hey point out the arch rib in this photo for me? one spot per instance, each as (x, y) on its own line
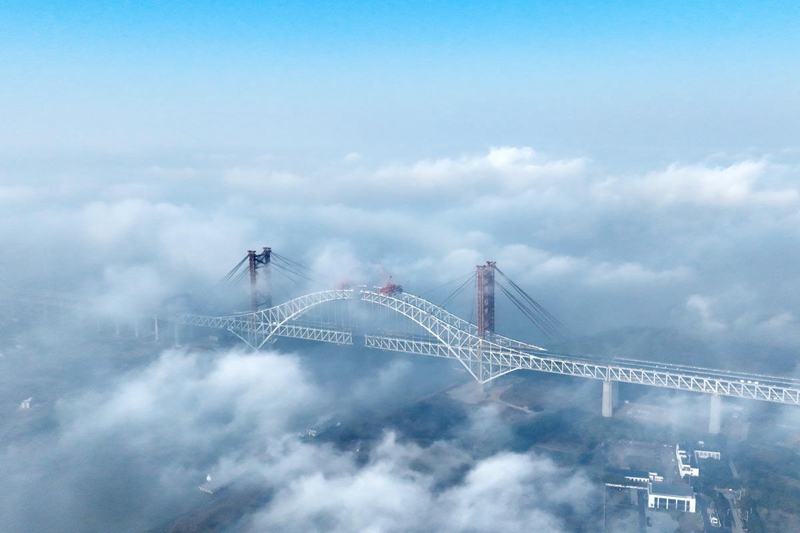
(266, 323)
(486, 360)
(477, 355)
(465, 326)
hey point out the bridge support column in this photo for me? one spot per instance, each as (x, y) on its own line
(715, 416)
(484, 298)
(609, 397)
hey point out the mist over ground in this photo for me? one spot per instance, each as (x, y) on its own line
(126, 449)
(689, 262)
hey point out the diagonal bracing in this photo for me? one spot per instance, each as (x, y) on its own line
(485, 358)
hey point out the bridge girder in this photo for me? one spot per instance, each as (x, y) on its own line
(487, 359)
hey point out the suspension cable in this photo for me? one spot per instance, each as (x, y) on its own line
(531, 300)
(458, 291)
(446, 284)
(545, 326)
(538, 315)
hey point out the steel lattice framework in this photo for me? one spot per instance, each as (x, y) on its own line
(262, 326)
(486, 359)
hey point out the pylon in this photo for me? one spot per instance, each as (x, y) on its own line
(484, 298)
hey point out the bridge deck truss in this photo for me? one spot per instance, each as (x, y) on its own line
(485, 359)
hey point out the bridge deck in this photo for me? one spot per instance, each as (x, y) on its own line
(451, 337)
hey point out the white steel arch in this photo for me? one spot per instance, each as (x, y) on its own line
(487, 359)
(260, 327)
(461, 344)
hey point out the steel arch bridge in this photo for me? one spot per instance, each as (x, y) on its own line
(488, 357)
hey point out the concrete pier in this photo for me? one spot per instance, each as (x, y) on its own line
(715, 415)
(609, 397)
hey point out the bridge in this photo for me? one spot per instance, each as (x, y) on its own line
(369, 317)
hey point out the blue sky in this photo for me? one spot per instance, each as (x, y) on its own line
(407, 79)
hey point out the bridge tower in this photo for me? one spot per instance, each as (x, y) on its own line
(484, 302)
(484, 298)
(257, 261)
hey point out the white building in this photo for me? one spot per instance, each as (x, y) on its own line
(675, 497)
(707, 454)
(685, 467)
(688, 462)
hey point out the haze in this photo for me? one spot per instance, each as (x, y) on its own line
(634, 166)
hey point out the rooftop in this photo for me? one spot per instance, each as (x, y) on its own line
(629, 472)
(665, 489)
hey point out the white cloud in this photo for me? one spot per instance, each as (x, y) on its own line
(533, 264)
(137, 444)
(631, 273)
(511, 492)
(445, 181)
(552, 224)
(394, 492)
(183, 400)
(646, 250)
(701, 307)
(108, 224)
(274, 184)
(129, 292)
(731, 186)
(503, 169)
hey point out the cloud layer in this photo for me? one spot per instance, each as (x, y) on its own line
(687, 262)
(130, 456)
(601, 251)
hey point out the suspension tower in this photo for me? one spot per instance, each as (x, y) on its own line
(484, 302)
(484, 298)
(257, 261)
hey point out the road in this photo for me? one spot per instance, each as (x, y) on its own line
(738, 527)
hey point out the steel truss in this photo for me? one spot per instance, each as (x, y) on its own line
(262, 326)
(487, 359)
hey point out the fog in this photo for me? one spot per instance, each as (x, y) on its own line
(686, 262)
(702, 247)
(127, 451)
